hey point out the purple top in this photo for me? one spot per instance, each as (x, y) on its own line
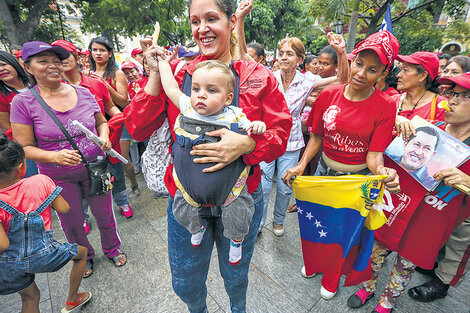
(25, 109)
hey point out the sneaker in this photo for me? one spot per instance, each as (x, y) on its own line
(325, 294)
(235, 252)
(359, 298)
(278, 229)
(304, 273)
(86, 227)
(136, 170)
(126, 211)
(197, 238)
(380, 309)
(134, 193)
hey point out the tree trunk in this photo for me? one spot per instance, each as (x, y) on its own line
(353, 27)
(374, 21)
(18, 32)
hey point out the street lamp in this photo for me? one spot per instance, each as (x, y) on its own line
(338, 27)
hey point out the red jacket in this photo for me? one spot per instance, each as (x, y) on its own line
(259, 98)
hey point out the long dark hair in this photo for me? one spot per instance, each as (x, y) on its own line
(8, 58)
(11, 155)
(110, 71)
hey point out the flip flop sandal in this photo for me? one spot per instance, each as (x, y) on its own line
(76, 304)
(292, 208)
(118, 258)
(89, 267)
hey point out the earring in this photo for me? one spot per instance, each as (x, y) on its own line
(378, 80)
(420, 84)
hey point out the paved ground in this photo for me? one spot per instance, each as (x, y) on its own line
(144, 283)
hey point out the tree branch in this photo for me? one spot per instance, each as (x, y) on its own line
(396, 19)
(359, 16)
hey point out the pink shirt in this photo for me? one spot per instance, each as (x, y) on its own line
(25, 196)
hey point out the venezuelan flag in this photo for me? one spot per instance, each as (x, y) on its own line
(337, 220)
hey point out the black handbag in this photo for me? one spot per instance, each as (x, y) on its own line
(99, 172)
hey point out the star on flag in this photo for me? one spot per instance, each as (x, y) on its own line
(309, 216)
(299, 209)
(318, 223)
(322, 233)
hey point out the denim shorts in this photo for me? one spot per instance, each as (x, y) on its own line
(17, 274)
(125, 134)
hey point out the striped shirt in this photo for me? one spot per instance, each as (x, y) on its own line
(297, 93)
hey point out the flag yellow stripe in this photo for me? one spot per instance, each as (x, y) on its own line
(335, 191)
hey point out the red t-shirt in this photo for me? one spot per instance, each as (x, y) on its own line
(352, 128)
(25, 196)
(98, 89)
(391, 91)
(5, 101)
(424, 111)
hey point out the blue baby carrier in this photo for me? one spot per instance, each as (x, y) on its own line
(207, 189)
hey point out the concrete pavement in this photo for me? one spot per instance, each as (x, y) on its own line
(144, 283)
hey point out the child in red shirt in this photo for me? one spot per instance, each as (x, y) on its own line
(27, 245)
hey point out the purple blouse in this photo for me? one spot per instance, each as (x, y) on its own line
(25, 109)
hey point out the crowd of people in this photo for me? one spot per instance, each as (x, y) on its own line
(213, 130)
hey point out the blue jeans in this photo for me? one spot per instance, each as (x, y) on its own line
(190, 265)
(282, 164)
(119, 185)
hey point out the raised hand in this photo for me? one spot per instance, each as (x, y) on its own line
(244, 8)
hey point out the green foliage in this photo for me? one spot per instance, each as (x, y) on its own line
(137, 17)
(417, 32)
(272, 20)
(317, 44)
(458, 30)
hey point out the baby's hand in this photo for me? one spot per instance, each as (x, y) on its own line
(257, 128)
(168, 56)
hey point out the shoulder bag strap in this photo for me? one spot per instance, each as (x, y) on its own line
(433, 108)
(56, 120)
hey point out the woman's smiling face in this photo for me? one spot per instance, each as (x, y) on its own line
(211, 28)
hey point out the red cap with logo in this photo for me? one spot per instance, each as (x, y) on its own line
(67, 45)
(383, 43)
(127, 64)
(462, 80)
(136, 51)
(426, 59)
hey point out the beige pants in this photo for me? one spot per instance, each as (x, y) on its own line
(457, 252)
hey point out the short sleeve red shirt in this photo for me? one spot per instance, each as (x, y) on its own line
(25, 196)
(352, 128)
(98, 89)
(5, 101)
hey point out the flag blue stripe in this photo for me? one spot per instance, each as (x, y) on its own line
(324, 224)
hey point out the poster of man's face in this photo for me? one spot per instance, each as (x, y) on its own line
(419, 149)
(426, 152)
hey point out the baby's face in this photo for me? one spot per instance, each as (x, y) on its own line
(209, 91)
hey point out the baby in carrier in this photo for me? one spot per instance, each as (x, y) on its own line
(27, 245)
(209, 109)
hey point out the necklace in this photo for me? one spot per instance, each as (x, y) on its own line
(414, 107)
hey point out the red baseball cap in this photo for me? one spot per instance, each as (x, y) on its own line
(67, 45)
(136, 51)
(428, 60)
(462, 80)
(383, 43)
(18, 54)
(127, 64)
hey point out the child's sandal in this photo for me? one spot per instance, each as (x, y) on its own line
(77, 304)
